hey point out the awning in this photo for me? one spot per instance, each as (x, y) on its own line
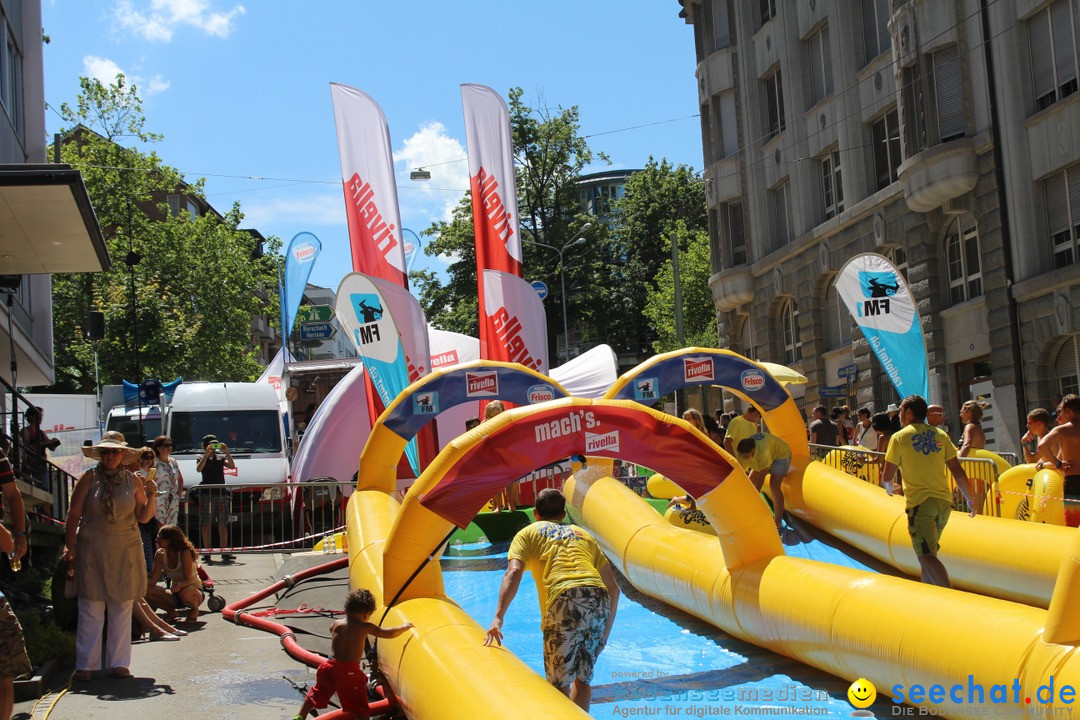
(47, 224)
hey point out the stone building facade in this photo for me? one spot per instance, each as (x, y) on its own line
(943, 134)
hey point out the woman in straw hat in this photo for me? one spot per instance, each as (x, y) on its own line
(102, 537)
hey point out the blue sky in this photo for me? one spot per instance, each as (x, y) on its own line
(241, 92)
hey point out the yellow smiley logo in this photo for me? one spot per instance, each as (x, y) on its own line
(862, 693)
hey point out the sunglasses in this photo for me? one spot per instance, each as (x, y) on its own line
(109, 451)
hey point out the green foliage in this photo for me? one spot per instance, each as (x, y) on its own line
(661, 200)
(196, 285)
(698, 311)
(45, 640)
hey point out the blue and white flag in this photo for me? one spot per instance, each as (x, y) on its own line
(879, 300)
(304, 248)
(367, 318)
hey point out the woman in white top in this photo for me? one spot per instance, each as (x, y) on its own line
(169, 481)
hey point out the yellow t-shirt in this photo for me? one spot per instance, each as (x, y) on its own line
(767, 449)
(739, 428)
(921, 451)
(559, 557)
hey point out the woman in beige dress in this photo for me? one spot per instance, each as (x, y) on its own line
(102, 538)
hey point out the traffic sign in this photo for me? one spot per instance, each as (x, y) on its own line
(833, 391)
(848, 371)
(540, 288)
(315, 313)
(316, 331)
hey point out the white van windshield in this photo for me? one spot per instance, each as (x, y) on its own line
(244, 431)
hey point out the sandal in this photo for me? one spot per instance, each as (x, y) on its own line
(82, 676)
(121, 672)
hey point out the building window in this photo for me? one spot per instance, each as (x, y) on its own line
(886, 137)
(962, 251)
(898, 257)
(716, 25)
(914, 119)
(819, 65)
(736, 238)
(767, 10)
(781, 210)
(1066, 367)
(724, 124)
(837, 320)
(774, 97)
(792, 345)
(948, 93)
(1053, 35)
(11, 77)
(875, 28)
(1062, 194)
(832, 189)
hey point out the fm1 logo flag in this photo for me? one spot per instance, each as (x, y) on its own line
(880, 302)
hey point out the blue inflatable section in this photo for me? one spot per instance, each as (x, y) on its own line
(731, 371)
(459, 385)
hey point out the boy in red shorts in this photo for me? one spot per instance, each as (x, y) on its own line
(342, 672)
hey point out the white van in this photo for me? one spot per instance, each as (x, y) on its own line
(244, 416)
(126, 420)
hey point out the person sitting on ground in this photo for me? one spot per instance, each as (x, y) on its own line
(153, 624)
(741, 427)
(507, 498)
(578, 595)
(761, 453)
(341, 672)
(1066, 438)
(215, 504)
(1038, 424)
(175, 559)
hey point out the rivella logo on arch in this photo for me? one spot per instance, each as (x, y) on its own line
(698, 369)
(481, 384)
(597, 442)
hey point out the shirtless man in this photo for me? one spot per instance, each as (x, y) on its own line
(1066, 438)
(1038, 424)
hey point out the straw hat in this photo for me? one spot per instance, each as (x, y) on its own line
(112, 439)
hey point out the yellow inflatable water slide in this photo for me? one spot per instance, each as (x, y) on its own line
(850, 623)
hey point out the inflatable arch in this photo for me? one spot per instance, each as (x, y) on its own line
(474, 466)
(421, 402)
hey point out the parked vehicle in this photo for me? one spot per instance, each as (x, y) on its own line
(247, 418)
(126, 420)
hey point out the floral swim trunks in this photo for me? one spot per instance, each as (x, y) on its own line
(573, 633)
(13, 659)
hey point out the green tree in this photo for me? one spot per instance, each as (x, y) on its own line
(659, 201)
(550, 155)
(698, 311)
(197, 284)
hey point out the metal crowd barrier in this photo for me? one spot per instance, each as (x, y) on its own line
(286, 517)
(867, 464)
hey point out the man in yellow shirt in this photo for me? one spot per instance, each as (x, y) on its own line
(923, 452)
(578, 595)
(765, 453)
(741, 427)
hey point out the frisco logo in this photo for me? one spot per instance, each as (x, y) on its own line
(481, 384)
(698, 369)
(752, 380)
(541, 393)
(304, 253)
(608, 442)
(446, 358)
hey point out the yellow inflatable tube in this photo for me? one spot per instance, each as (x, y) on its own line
(844, 621)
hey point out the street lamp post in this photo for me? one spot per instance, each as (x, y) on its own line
(562, 277)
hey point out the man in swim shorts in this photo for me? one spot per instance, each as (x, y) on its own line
(578, 595)
(1066, 438)
(765, 453)
(923, 452)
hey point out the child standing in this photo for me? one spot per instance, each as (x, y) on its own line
(342, 672)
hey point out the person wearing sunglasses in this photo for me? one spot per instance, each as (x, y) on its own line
(101, 539)
(169, 480)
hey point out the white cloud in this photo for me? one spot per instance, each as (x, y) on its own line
(105, 70)
(443, 156)
(157, 22)
(323, 209)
